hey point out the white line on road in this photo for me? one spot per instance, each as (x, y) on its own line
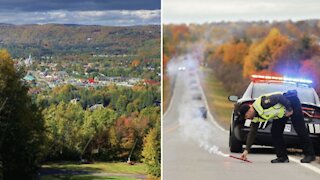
(308, 166)
(208, 110)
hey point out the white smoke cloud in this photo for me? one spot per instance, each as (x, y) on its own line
(193, 126)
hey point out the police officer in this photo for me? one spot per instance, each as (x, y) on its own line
(278, 106)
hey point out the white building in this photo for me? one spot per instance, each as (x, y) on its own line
(28, 62)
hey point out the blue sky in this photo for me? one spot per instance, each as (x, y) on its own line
(201, 11)
(87, 12)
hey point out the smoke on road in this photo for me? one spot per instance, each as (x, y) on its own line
(194, 125)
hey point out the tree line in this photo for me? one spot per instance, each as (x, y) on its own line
(235, 50)
(61, 40)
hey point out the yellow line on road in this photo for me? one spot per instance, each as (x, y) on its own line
(169, 130)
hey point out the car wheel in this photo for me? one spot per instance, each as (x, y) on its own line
(234, 144)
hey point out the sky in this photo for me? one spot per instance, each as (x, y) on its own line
(201, 11)
(85, 12)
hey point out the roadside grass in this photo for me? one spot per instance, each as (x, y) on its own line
(84, 177)
(75, 171)
(104, 167)
(217, 97)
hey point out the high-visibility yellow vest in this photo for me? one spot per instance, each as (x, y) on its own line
(275, 112)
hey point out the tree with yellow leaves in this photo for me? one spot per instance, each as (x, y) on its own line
(232, 53)
(263, 55)
(151, 152)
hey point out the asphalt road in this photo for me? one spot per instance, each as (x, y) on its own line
(195, 148)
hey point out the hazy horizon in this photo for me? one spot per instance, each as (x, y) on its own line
(202, 11)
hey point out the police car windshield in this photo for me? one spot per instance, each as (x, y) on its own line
(305, 94)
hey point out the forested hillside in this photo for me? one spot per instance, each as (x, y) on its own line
(51, 40)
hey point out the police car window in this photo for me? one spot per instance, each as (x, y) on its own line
(305, 94)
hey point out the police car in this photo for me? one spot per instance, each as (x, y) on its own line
(267, 84)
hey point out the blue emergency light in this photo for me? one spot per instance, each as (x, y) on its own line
(306, 81)
(281, 79)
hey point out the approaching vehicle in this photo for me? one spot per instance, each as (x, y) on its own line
(267, 84)
(198, 109)
(199, 112)
(203, 111)
(196, 97)
(182, 68)
(193, 82)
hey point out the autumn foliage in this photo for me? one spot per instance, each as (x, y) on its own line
(283, 50)
(173, 41)
(263, 55)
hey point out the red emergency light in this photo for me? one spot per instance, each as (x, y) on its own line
(256, 77)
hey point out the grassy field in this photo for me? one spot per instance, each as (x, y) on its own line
(83, 171)
(100, 167)
(217, 98)
(85, 177)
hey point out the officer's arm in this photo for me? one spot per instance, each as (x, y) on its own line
(285, 102)
(251, 135)
(279, 98)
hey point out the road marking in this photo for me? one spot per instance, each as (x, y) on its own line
(306, 165)
(207, 106)
(172, 128)
(171, 101)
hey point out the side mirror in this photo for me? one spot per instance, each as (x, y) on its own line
(233, 98)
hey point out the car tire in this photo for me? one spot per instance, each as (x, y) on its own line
(234, 144)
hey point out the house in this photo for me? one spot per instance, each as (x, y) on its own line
(151, 82)
(75, 100)
(29, 78)
(94, 107)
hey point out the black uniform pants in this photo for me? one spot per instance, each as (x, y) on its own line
(299, 126)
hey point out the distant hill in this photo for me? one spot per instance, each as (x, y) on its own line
(55, 39)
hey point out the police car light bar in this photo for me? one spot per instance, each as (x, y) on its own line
(281, 78)
(306, 81)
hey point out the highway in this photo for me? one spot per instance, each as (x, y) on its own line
(195, 148)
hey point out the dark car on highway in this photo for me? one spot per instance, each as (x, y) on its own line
(203, 111)
(267, 84)
(196, 97)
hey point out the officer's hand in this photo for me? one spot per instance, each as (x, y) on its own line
(244, 155)
(289, 113)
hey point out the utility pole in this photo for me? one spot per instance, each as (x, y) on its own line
(85, 147)
(129, 161)
(4, 103)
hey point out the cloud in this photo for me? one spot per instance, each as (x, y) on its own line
(232, 10)
(106, 17)
(77, 5)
